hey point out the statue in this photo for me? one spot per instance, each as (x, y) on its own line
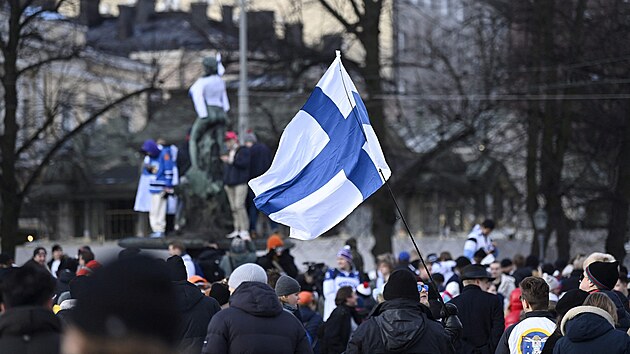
(205, 205)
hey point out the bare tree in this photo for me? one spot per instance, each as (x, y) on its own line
(32, 46)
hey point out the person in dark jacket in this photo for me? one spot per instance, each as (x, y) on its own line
(255, 321)
(260, 161)
(570, 299)
(590, 329)
(27, 324)
(311, 319)
(195, 308)
(530, 333)
(60, 261)
(235, 178)
(64, 276)
(602, 277)
(480, 312)
(342, 322)
(401, 323)
(278, 257)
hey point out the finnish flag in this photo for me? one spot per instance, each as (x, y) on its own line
(327, 162)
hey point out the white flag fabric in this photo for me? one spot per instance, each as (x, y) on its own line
(327, 162)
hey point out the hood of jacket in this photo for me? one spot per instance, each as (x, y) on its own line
(187, 295)
(401, 323)
(584, 323)
(22, 320)
(257, 299)
(151, 148)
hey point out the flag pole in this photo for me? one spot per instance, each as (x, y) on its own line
(391, 193)
(415, 245)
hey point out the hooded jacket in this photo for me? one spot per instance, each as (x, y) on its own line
(29, 329)
(255, 323)
(197, 311)
(589, 329)
(399, 326)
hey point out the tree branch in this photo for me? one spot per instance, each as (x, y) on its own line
(356, 9)
(44, 162)
(350, 27)
(74, 54)
(35, 136)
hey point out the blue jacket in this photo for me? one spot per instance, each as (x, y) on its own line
(238, 171)
(589, 329)
(161, 169)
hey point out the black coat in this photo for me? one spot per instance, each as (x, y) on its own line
(399, 326)
(337, 329)
(29, 329)
(261, 157)
(197, 311)
(481, 314)
(255, 323)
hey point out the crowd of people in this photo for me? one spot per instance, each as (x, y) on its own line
(213, 301)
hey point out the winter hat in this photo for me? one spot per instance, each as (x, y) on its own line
(306, 297)
(220, 292)
(404, 256)
(230, 135)
(150, 147)
(274, 241)
(287, 286)
(401, 285)
(461, 262)
(237, 245)
(197, 279)
(364, 289)
(247, 272)
(506, 262)
(569, 300)
(345, 253)
(249, 137)
(130, 297)
(432, 258)
(176, 268)
(603, 274)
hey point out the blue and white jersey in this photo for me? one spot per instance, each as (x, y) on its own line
(476, 241)
(161, 169)
(334, 280)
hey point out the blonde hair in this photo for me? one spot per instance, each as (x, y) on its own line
(602, 301)
(597, 257)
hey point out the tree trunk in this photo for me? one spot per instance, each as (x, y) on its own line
(618, 225)
(11, 193)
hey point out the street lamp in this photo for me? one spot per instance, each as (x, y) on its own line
(540, 224)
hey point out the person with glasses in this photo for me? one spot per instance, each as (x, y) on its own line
(480, 312)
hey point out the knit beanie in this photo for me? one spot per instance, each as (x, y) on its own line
(346, 253)
(306, 297)
(603, 274)
(401, 284)
(274, 241)
(570, 299)
(247, 272)
(220, 292)
(249, 137)
(176, 268)
(287, 286)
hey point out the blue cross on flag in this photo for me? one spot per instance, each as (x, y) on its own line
(327, 162)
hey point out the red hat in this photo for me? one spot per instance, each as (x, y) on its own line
(230, 135)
